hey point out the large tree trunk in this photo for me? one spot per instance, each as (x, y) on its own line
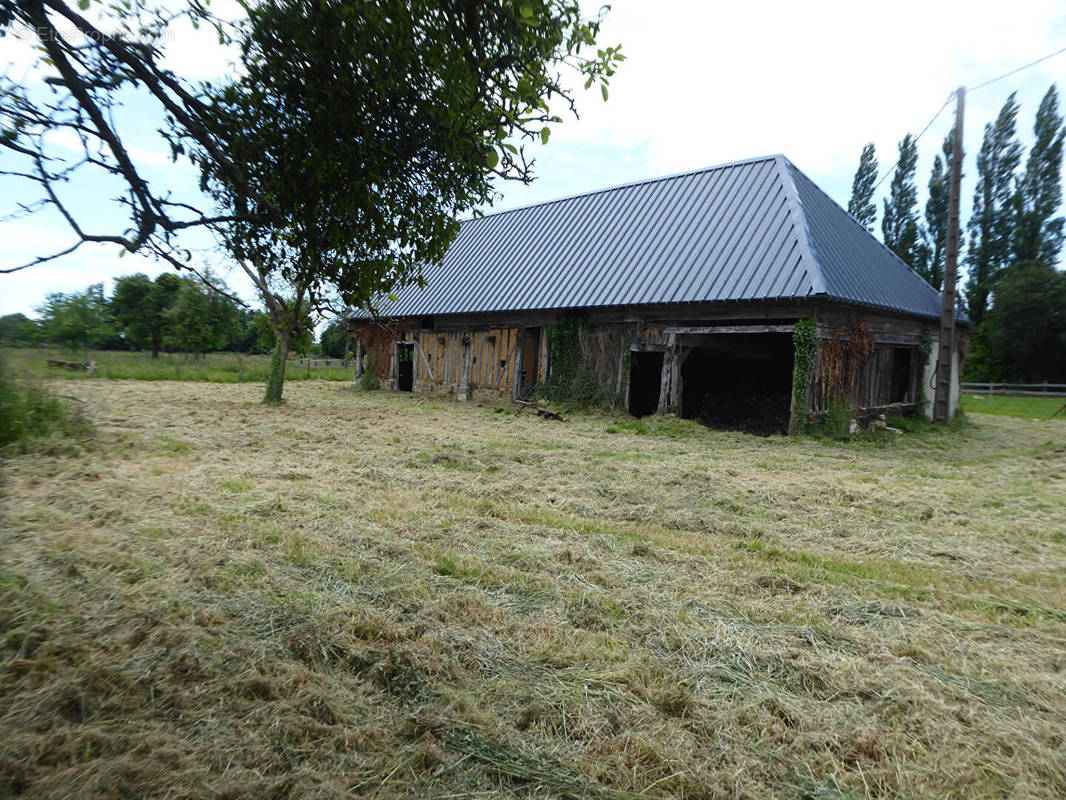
(276, 378)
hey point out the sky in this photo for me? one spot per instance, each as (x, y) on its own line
(703, 84)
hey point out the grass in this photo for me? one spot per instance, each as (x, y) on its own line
(366, 594)
(32, 418)
(129, 365)
(1027, 407)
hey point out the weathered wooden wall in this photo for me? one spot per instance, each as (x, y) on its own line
(872, 380)
(485, 359)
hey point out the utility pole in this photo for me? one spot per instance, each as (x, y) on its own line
(946, 348)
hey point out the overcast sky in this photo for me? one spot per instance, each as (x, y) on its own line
(704, 83)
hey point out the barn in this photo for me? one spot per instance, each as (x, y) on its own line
(674, 295)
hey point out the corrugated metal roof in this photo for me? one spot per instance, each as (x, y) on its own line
(750, 230)
(855, 265)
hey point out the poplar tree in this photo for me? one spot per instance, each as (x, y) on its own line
(992, 221)
(1038, 234)
(861, 206)
(899, 225)
(935, 233)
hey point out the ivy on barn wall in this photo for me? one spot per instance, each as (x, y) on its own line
(842, 357)
(805, 344)
(378, 340)
(589, 365)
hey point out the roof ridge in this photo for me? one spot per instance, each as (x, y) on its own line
(863, 227)
(798, 216)
(628, 184)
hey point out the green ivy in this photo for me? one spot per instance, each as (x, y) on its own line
(805, 343)
(574, 380)
(566, 383)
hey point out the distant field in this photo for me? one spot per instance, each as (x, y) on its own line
(1027, 407)
(117, 364)
(361, 594)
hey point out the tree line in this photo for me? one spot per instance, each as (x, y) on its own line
(168, 314)
(1012, 289)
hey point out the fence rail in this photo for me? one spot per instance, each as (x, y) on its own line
(1016, 389)
(323, 362)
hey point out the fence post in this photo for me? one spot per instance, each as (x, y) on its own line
(991, 390)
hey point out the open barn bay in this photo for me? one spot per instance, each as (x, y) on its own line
(363, 594)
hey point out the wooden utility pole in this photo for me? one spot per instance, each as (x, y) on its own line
(946, 348)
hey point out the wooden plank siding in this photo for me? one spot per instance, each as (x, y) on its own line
(872, 384)
(439, 365)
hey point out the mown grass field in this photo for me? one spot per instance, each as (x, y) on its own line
(1025, 407)
(364, 594)
(130, 365)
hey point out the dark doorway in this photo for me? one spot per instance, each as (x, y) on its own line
(738, 381)
(901, 387)
(530, 361)
(405, 367)
(645, 380)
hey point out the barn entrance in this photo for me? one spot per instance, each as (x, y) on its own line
(738, 381)
(645, 377)
(405, 367)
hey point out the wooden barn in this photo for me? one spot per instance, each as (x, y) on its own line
(675, 295)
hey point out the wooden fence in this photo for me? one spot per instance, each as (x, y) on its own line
(1016, 389)
(323, 362)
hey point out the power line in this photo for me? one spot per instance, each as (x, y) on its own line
(916, 138)
(1016, 71)
(951, 97)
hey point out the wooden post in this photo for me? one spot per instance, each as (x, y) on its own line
(516, 365)
(394, 367)
(358, 359)
(666, 382)
(946, 345)
(464, 375)
(240, 368)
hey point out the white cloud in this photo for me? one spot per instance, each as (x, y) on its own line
(705, 83)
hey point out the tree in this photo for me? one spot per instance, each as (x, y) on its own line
(84, 73)
(861, 206)
(358, 149)
(899, 225)
(1038, 234)
(247, 338)
(1025, 332)
(991, 224)
(200, 320)
(141, 305)
(18, 330)
(266, 340)
(335, 339)
(340, 156)
(935, 233)
(79, 319)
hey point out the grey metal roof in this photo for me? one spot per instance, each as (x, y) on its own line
(751, 230)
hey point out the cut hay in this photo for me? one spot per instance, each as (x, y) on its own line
(365, 594)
